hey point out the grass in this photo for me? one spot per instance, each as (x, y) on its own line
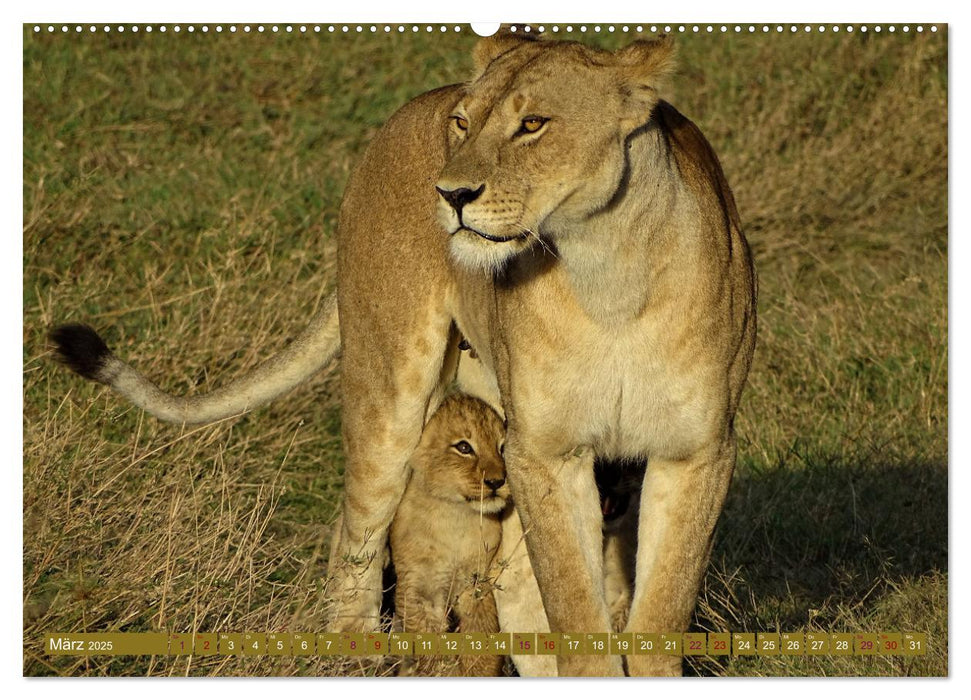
(181, 192)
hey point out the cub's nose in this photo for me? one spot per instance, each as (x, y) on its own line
(494, 484)
(458, 198)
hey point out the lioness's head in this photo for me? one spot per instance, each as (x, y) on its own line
(538, 141)
(459, 457)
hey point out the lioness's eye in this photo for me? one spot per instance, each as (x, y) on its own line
(463, 448)
(531, 125)
(461, 123)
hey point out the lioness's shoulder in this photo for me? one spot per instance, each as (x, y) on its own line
(695, 157)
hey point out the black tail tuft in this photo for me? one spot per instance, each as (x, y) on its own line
(82, 349)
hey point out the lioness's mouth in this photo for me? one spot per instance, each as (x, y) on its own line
(488, 237)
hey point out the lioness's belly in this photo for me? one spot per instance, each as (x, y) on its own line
(617, 394)
(640, 390)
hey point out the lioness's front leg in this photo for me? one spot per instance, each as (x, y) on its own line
(557, 499)
(680, 504)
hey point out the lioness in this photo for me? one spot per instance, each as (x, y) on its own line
(447, 527)
(518, 598)
(579, 232)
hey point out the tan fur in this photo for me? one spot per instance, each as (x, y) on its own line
(618, 318)
(518, 598)
(307, 354)
(599, 271)
(446, 531)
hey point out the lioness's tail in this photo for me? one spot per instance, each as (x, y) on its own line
(80, 348)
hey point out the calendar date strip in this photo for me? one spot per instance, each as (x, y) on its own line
(500, 643)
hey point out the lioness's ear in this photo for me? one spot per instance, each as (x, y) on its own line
(644, 65)
(489, 48)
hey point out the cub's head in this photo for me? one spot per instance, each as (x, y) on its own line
(459, 457)
(537, 143)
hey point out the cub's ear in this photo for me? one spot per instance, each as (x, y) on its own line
(489, 48)
(643, 66)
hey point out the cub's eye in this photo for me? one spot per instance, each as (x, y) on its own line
(463, 448)
(502, 450)
(461, 123)
(531, 125)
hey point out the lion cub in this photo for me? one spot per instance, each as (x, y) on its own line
(447, 528)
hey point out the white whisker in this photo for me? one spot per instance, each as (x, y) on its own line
(523, 229)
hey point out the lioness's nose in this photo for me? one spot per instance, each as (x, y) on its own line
(494, 484)
(458, 198)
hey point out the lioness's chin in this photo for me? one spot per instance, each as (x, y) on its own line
(475, 251)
